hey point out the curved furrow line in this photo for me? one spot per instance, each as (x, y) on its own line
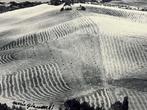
(48, 35)
(76, 13)
(106, 97)
(58, 31)
(106, 11)
(104, 54)
(10, 90)
(7, 87)
(132, 53)
(116, 63)
(6, 58)
(35, 84)
(68, 28)
(3, 84)
(143, 55)
(27, 93)
(110, 53)
(53, 80)
(140, 97)
(114, 94)
(134, 103)
(40, 37)
(90, 100)
(121, 57)
(138, 55)
(102, 97)
(106, 92)
(23, 41)
(109, 59)
(136, 99)
(22, 96)
(125, 55)
(81, 23)
(11, 85)
(20, 86)
(94, 100)
(14, 88)
(65, 29)
(45, 36)
(128, 56)
(120, 68)
(56, 78)
(86, 99)
(38, 81)
(43, 81)
(24, 91)
(88, 25)
(88, 22)
(135, 16)
(94, 27)
(21, 83)
(63, 33)
(28, 79)
(139, 100)
(112, 97)
(26, 85)
(61, 81)
(48, 81)
(143, 99)
(53, 33)
(97, 98)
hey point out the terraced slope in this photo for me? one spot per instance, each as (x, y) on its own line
(48, 56)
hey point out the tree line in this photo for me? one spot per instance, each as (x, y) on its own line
(4, 7)
(58, 2)
(76, 105)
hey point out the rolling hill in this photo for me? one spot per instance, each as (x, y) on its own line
(49, 56)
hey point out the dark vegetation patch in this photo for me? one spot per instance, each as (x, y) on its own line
(76, 105)
(4, 7)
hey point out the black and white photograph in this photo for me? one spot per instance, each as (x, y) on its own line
(73, 54)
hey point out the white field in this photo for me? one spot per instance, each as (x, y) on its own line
(48, 56)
